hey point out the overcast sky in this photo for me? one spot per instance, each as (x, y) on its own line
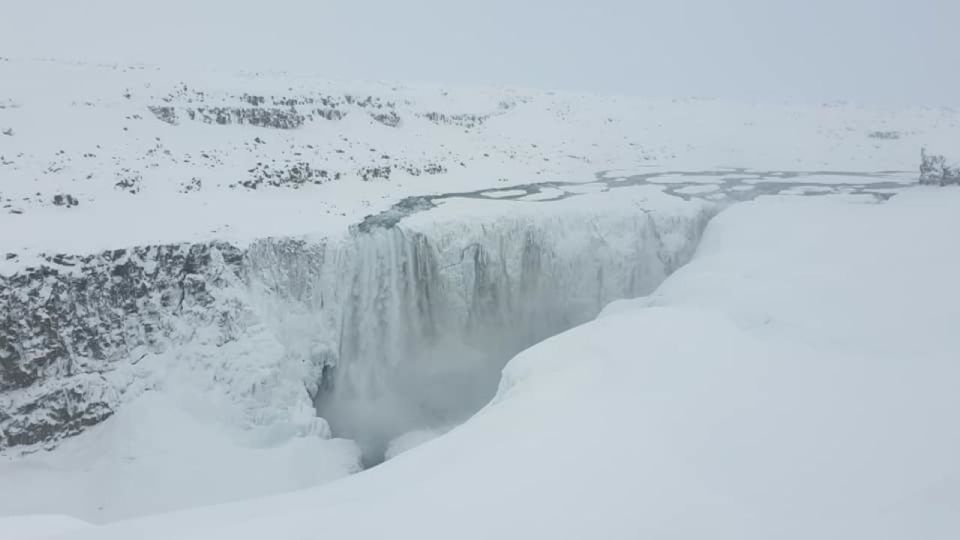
(898, 51)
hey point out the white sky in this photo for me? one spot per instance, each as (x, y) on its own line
(897, 51)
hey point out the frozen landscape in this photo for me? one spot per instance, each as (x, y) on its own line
(262, 303)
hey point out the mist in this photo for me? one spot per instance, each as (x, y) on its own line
(873, 51)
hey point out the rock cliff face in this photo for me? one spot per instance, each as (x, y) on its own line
(76, 319)
(386, 329)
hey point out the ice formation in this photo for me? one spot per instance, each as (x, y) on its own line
(382, 331)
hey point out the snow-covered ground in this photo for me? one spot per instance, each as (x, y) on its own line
(795, 380)
(189, 259)
(38, 526)
(155, 455)
(122, 155)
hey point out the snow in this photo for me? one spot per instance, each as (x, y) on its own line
(802, 190)
(792, 381)
(544, 195)
(502, 193)
(795, 380)
(155, 456)
(586, 188)
(85, 129)
(693, 190)
(687, 178)
(901, 177)
(36, 527)
(409, 441)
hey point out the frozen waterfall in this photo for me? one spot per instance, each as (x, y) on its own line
(402, 324)
(408, 326)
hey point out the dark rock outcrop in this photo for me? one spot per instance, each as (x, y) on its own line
(462, 120)
(68, 323)
(935, 170)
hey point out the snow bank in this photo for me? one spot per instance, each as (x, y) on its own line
(155, 455)
(795, 380)
(409, 441)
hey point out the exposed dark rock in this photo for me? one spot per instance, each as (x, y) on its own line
(462, 120)
(129, 181)
(375, 173)
(194, 184)
(934, 170)
(327, 114)
(61, 413)
(256, 101)
(65, 200)
(254, 116)
(74, 318)
(390, 118)
(289, 175)
(434, 168)
(394, 214)
(165, 113)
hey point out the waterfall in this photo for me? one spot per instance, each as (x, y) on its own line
(401, 325)
(408, 326)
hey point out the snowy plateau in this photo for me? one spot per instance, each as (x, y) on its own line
(271, 305)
